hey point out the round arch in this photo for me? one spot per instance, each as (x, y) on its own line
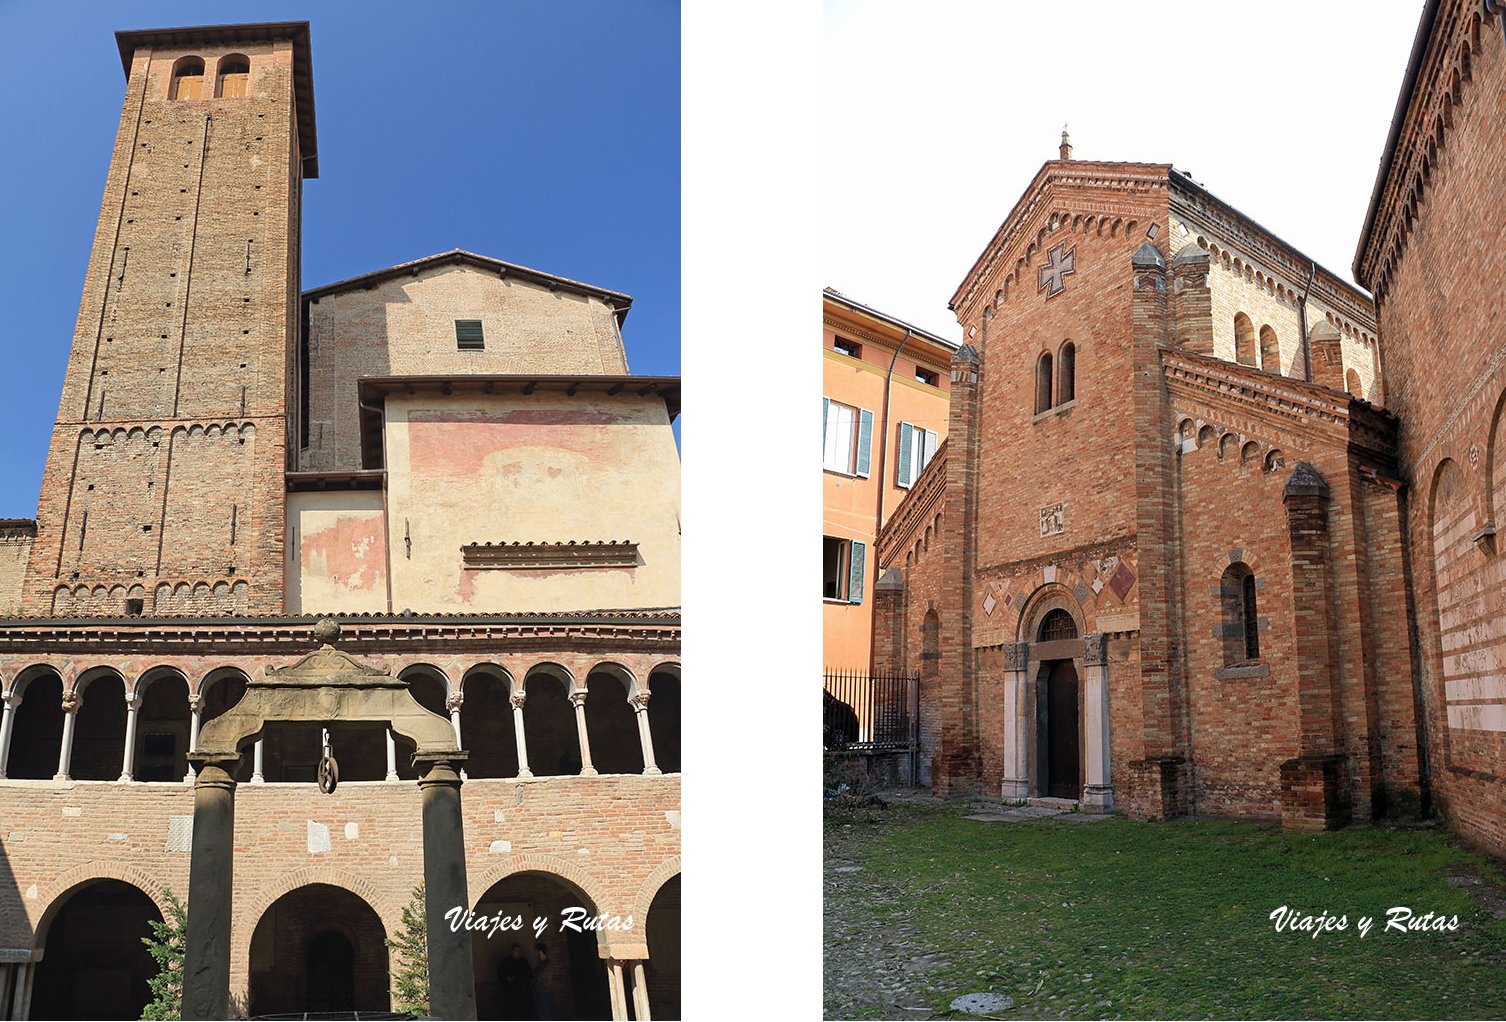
(93, 963)
(552, 739)
(611, 720)
(487, 721)
(319, 947)
(1047, 597)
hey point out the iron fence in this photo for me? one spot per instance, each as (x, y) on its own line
(870, 711)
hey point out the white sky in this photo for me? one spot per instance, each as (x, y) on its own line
(937, 116)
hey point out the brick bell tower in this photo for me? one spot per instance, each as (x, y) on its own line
(164, 488)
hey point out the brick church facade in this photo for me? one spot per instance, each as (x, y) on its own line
(1139, 574)
(448, 457)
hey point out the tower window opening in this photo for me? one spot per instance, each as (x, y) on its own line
(188, 78)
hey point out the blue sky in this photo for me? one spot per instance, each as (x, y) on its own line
(542, 133)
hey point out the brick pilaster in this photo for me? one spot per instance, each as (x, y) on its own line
(1162, 769)
(888, 656)
(1314, 785)
(1192, 301)
(1325, 348)
(956, 767)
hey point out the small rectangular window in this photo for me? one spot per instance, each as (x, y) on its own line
(134, 607)
(842, 568)
(847, 441)
(847, 347)
(468, 335)
(916, 446)
(925, 376)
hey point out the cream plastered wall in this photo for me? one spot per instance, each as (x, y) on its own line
(542, 468)
(1234, 292)
(15, 549)
(406, 326)
(337, 552)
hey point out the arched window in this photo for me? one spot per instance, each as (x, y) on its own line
(1270, 350)
(234, 71)
(1057, 624)
(1352, 383)
(1043, 383)
(1066, 374)
(1244, 340)
(1241, 618)
(188, 78)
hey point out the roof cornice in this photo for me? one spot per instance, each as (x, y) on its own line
(460, 257)
(1054, 176)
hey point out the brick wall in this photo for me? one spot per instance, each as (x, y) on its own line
(1434, 259)
(182, 339)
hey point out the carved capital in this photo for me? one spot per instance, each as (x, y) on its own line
(133, 703)
(1016, 656)
(517, 698)
(578, 698)
(453, 700)
(639, 700)
(196, 703)
(1095, 650)
(72, 701)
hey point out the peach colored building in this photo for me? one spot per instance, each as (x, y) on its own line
(884, 392)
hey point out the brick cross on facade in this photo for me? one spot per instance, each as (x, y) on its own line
(1053, 275)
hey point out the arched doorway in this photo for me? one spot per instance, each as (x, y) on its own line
(318, 948)
(664, 717)
(1058, 705)
(662, 970)
(549, 723)
(99, 727)
(571, 982)
(37, 735)
(94, 964)
(611, 723)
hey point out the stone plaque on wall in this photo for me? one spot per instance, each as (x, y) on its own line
(1053, 520)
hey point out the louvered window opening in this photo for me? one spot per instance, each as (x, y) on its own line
(468, 335)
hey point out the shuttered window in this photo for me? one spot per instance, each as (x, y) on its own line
(847, 438)
(916, 446)
(468, 335)
(844, 565)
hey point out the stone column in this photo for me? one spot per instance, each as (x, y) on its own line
(517, 698)
(196, 711)
(640, 993)
(578, 700)
(1098, 787)
(71, 702)
(452, 703)
(211, 875)
(12, 702)
(128, 759)
(614, 986)
(452, 981)
(888, 624)
(256, 762)
(1016, 786)
(639, 700)
(391, 755)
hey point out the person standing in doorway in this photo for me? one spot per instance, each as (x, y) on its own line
(543, 983)
(516, 978)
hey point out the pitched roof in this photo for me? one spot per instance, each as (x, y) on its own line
(221, 35)
(460, 257)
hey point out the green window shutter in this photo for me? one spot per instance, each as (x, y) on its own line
(865, 441)
(825, 414)
(855, 572)
(906, 440)
(468, 335)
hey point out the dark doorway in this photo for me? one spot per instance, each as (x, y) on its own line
(319, 948)
(332, 973)
(94, 964)
(663, 965)
(569, 980)
(1058, 719)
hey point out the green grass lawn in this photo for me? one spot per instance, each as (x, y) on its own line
(1118, 919)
